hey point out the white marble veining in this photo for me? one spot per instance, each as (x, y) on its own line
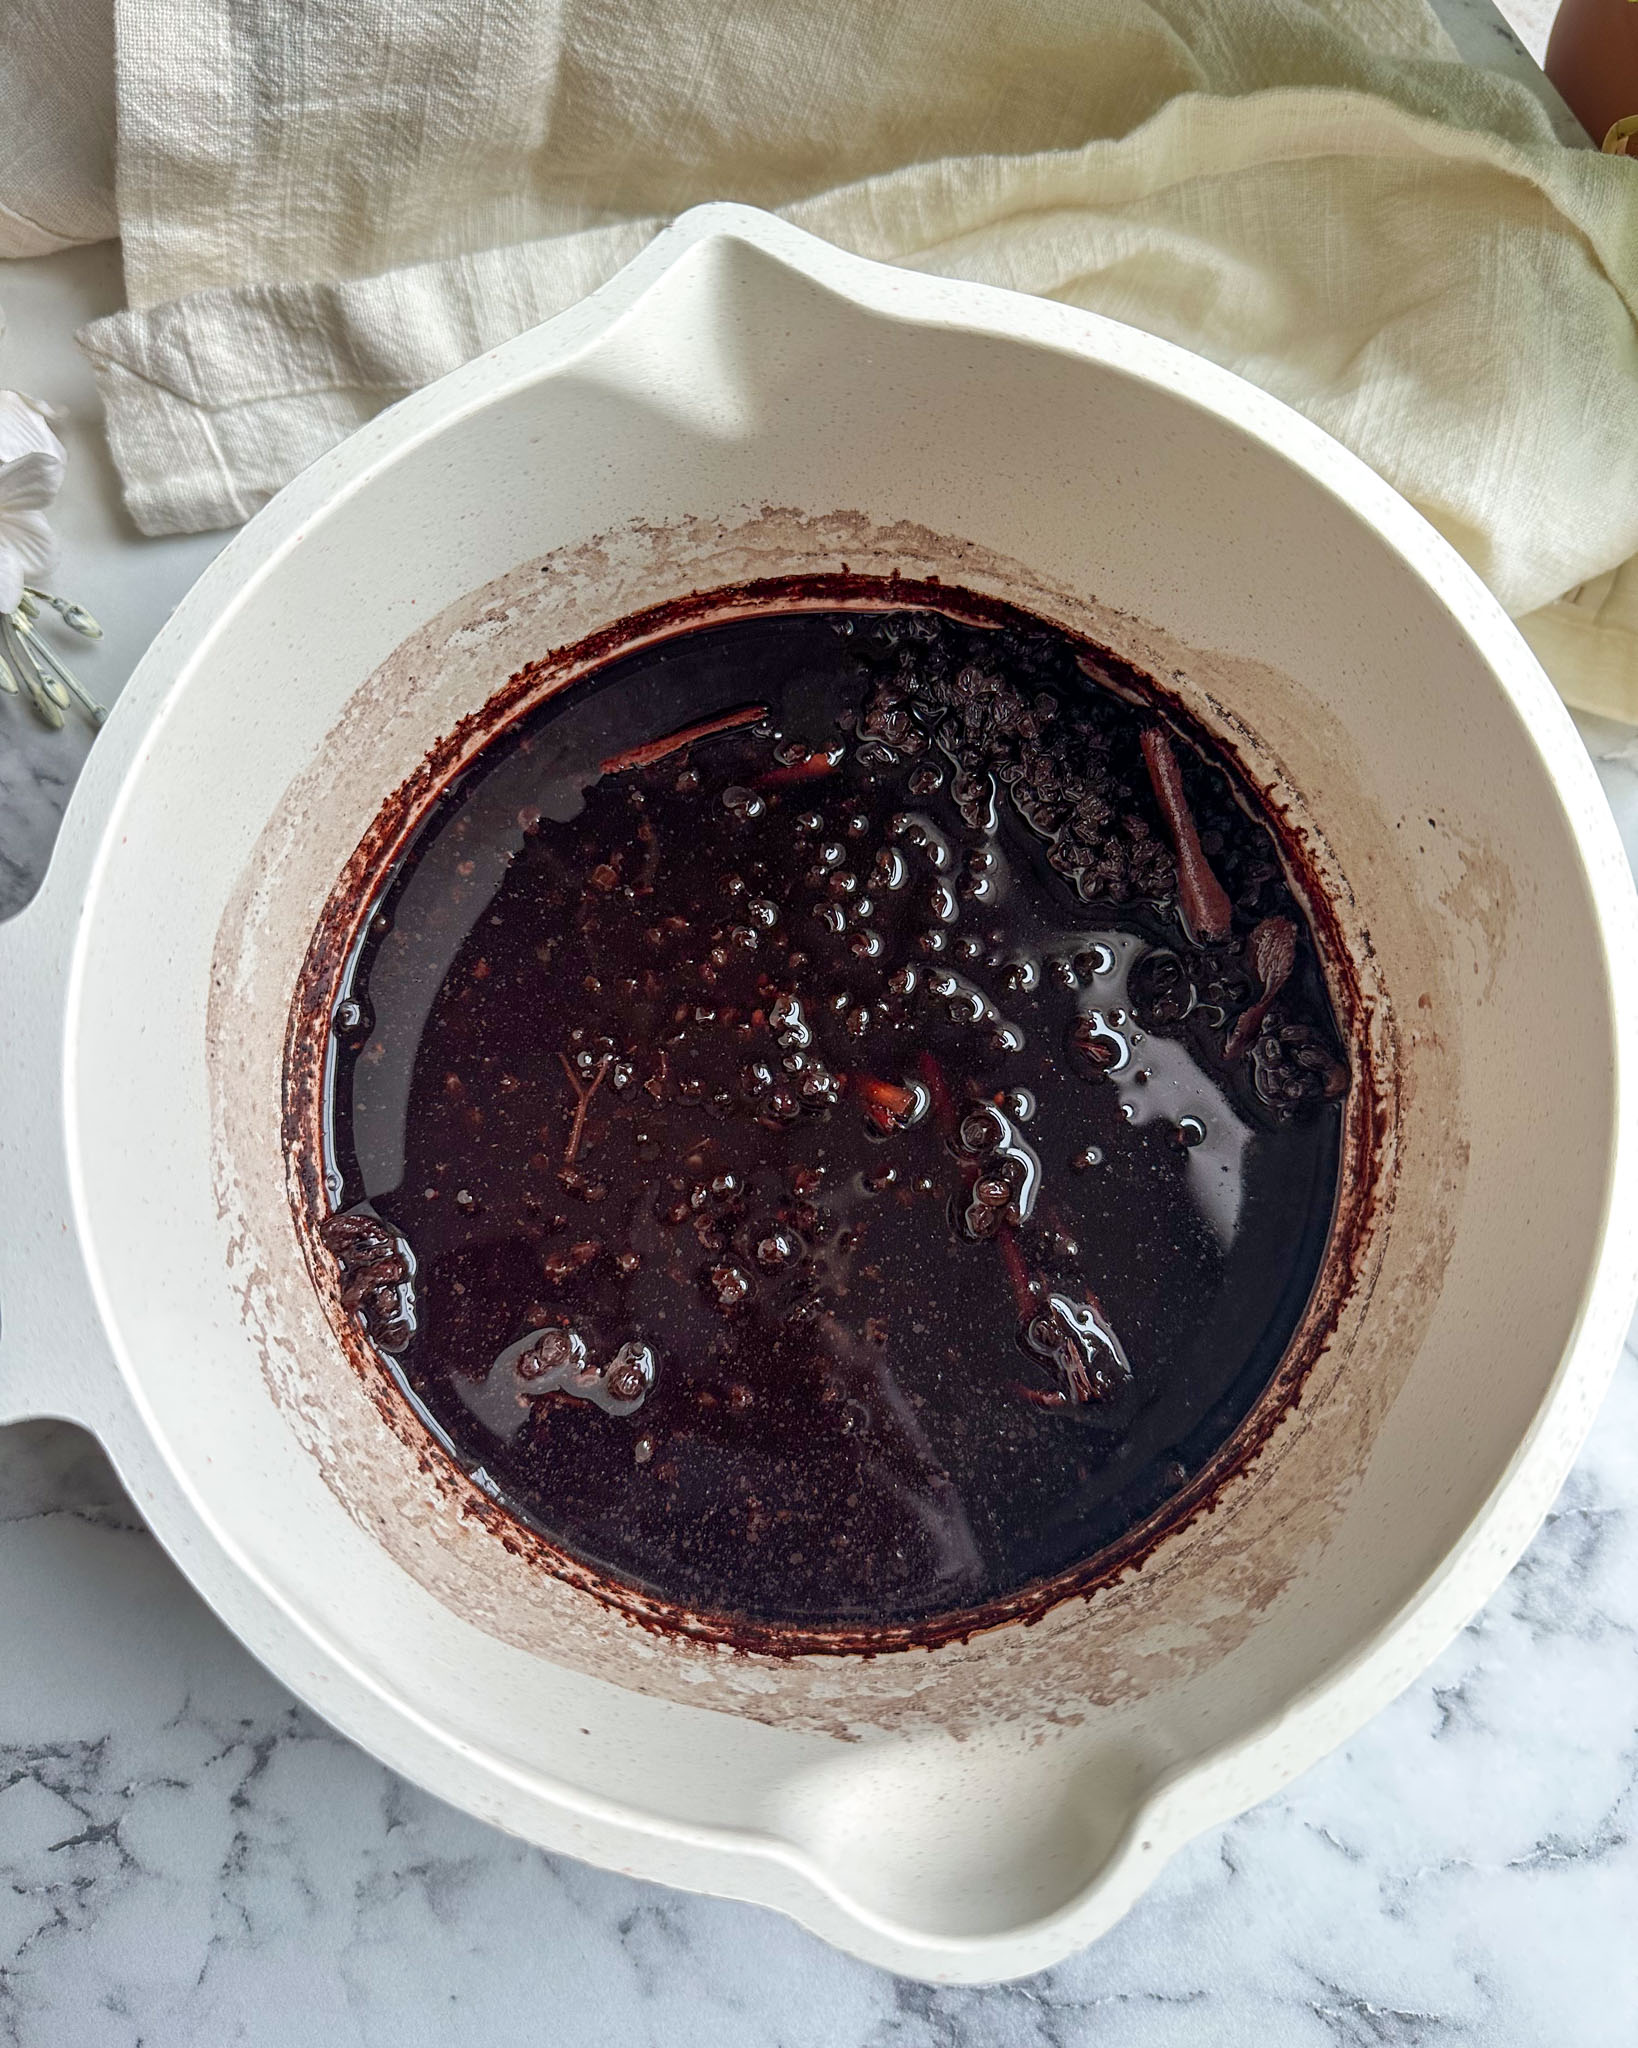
(1512, 37)
(189, 1859)
(1530, 21)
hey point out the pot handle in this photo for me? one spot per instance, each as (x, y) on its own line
(54, 1357)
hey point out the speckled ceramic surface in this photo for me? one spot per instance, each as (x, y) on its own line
(684, 400)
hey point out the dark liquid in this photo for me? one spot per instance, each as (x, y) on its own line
(838, 1187)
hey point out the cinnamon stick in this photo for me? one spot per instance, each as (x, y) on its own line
(673, 743)
(1205, 902)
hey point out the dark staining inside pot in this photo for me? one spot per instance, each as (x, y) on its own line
(835, 1118)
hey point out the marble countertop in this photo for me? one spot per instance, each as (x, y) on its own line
(188, 1856)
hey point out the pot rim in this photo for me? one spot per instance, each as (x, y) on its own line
(42, 958)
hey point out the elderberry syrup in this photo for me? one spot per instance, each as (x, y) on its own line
(836, 1116)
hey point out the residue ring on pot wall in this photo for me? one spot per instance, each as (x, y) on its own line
(1200, 1592)
(1366, 1121)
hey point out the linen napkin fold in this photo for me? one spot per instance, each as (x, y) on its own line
(324, 207)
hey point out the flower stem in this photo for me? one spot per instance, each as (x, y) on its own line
(27, 672)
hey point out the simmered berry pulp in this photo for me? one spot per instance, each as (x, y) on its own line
(822, 1172)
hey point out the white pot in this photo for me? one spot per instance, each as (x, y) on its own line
(744, 400)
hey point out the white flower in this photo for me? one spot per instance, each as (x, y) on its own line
(31, 474)
(32, 461)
